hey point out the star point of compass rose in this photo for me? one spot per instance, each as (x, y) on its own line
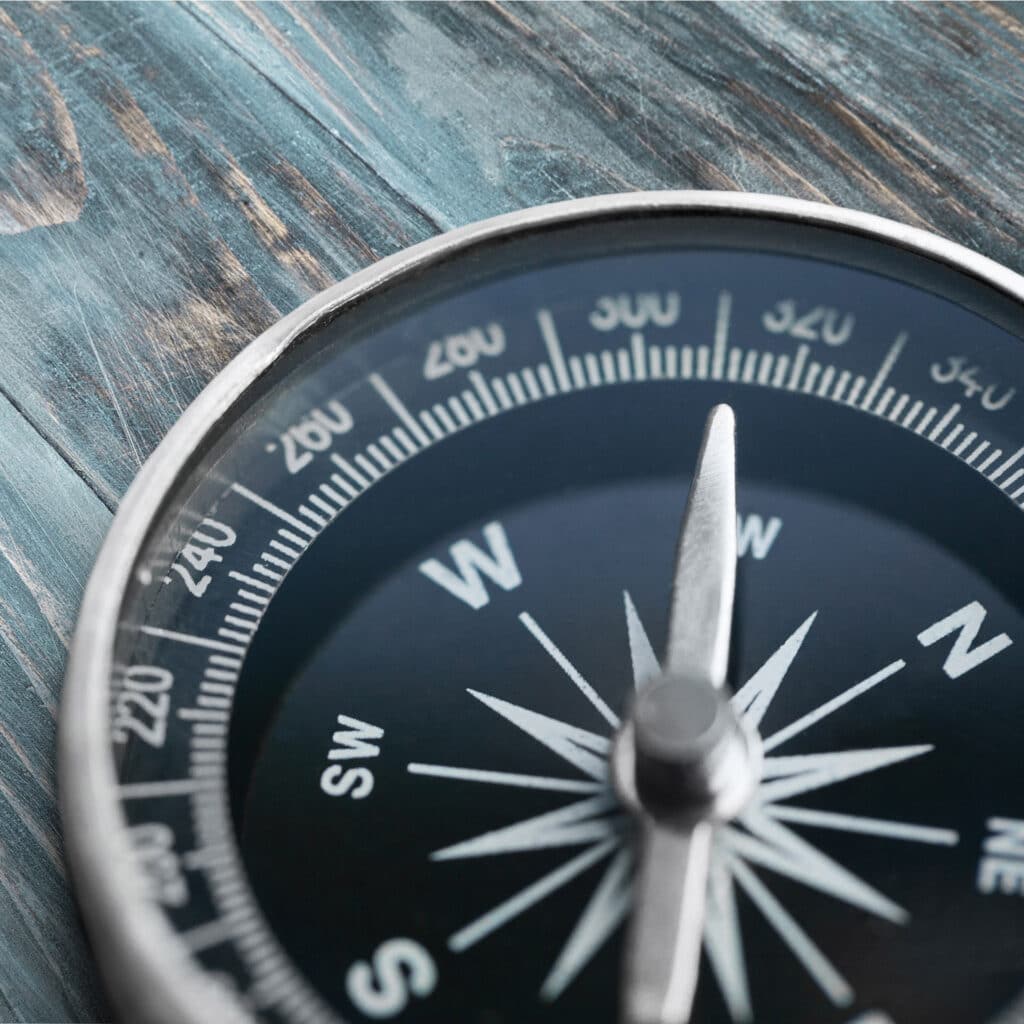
(594, 830)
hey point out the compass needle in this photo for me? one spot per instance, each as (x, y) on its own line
(684, 760)
(611, 612)
(704, 583)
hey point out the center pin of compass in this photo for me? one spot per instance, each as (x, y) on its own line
(692, 757)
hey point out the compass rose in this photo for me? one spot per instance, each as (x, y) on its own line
(594, 827)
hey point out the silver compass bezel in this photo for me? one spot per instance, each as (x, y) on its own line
(147, 969)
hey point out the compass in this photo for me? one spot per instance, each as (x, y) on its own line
(613, 611)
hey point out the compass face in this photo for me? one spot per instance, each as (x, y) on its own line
(336, 746)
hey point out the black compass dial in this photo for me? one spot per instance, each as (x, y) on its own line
(374, 664)
(493, 806)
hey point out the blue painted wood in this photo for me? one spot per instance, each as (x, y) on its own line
(50, 526)
(172, 178)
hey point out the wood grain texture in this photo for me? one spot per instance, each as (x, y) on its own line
(173, 178)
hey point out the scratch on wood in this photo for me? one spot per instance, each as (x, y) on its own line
(134, 123)
(281, 43)
(316, 36)
(141, 134)
(45, 782)
(1005, 21)
(109, 384)
(271, 231)
(230, 311)
(40, 684)
(42, 181)
(535, 39)
(45, 839)
(20, 895)
(822, 138)
(313, 201)
(859, 125)
(47, 603)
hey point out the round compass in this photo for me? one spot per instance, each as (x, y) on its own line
(609, 612)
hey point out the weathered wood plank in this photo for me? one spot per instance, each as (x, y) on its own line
(174, 177)
(44, 180)
(184, 171)
(50, 526)
(908, 111)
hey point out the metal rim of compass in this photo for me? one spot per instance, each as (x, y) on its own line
(148, 972)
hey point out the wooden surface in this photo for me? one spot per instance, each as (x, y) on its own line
(173, 178)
